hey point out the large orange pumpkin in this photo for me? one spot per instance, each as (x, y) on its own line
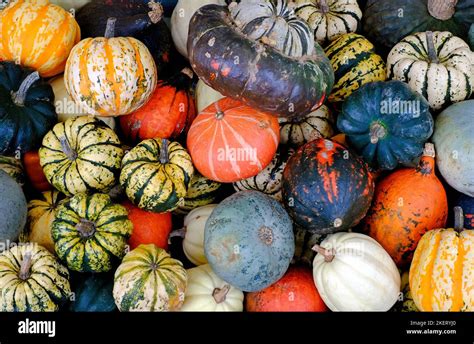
(406, 204)
(148, 227)
(441, 273)
(169, 112)
(294, 292)
(230, 141)
(38, 35)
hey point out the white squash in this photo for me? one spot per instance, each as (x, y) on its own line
(180, 19)
(70, 4)
(194, 224)
(206, 292)
(205, 96)
(354, 273)
(66, 107)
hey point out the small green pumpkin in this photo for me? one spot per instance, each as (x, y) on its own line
(156, 174)
(149, 280)
(90, 232)
(13, 167)
(32, 280)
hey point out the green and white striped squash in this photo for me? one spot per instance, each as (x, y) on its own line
(274, 23)
(156, 174)
(201, 191)
(268, 180)
(438, 65)
(355, 63)
(90, 232)
(81, 155)
(329, 18)
(32, 280)
(299, 130)
(13, 167)
(149, 280)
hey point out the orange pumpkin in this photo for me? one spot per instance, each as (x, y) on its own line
(34, 171)
(37, 35)
(169, 112)
(407, 203)
(148, 227)
(442, 269)
(294, 292)
(229, 141)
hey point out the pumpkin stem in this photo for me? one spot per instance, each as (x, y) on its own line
(164, 156)
(110, 28)
(429, 150)
(328, 254)
(19, 97)
(458, 219)
(323, 5)
(219, 294)
(66, 148)
(266, 235)
(156, 12)
(86, 228)
(115, 192)
(432, 55)
(442, 9)
(25, 266)
(188, 72)
(377, 132)
(177, 233)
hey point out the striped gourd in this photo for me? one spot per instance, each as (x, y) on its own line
(149, 280)
(12, 167)
(156, 174)
(41, 214)
(110, 76)
(201, 191)
(81, 155)
(297, 131)
(329, 18)
(32, 280)
(268, 180)
(437, 65)
(274, 23)
(442, 268)
(38, 35)
(355, 63)
(90, 232)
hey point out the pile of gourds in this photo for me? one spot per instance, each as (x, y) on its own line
(258, 155)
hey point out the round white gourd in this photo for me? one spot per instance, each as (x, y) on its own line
(354, 273)
(206, 292)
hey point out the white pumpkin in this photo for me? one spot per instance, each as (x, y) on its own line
(180, 19)
(70, 4)
(354, 273)
(194, 224)
(205, 96)
(66, 107)
(206, 292)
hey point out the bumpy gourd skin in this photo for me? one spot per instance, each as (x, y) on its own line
(256, 73)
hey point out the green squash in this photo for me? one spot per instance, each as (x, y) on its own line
(26, 108)
(471, 37)
(387, 123)
(249, 240)
(32, 280)
(201, 192)
(13, 210)
(90, 232)
(386, 22)
(93, 293)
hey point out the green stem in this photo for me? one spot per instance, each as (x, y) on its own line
(164, 156)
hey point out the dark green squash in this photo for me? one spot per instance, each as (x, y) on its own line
(471, 37)
(247, 68)
(386, 22)
(93, 293)
(387, 123)
(326, 187)
(26, 109)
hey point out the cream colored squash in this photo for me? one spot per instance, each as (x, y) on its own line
(181, 17)
(66, 107)
(354, 273)
(206, 292)
(205, 96)
(193, 243)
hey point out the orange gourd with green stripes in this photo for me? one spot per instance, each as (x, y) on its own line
(110, 76)
(38, 35)
(441, 273)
